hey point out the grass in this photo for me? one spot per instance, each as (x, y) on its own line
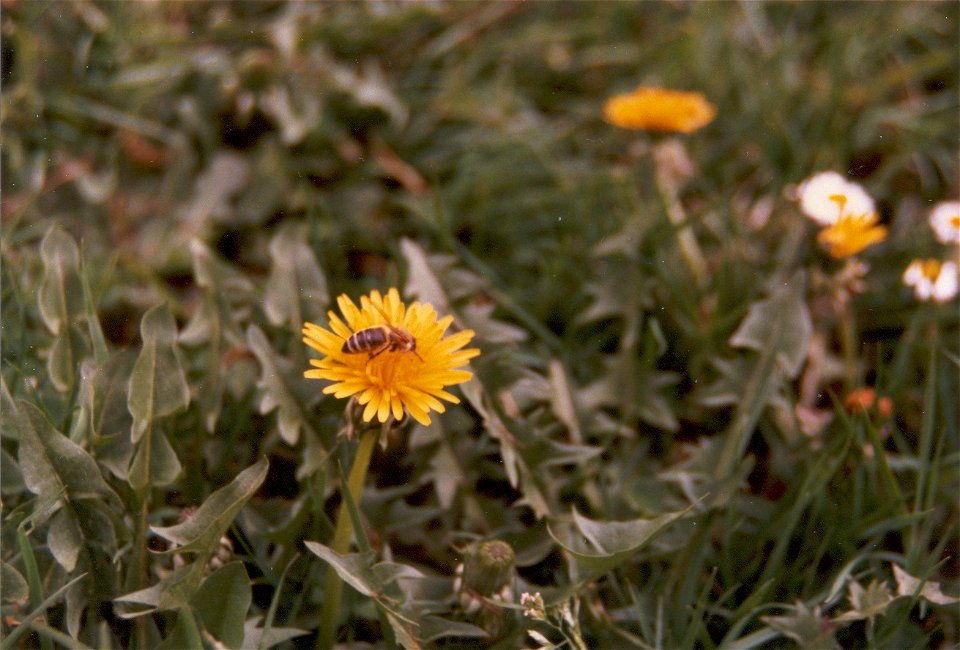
(659, 423)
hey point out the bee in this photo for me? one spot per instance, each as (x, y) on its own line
(380, 338)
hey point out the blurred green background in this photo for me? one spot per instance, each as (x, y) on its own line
(245, 162)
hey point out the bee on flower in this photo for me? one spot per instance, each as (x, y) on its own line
(932, 279)
(392, 357)
(945, 221)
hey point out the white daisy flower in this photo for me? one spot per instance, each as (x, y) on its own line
(945, 221)
(826, 196)
(932, 279)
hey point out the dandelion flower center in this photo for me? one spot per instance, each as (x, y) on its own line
(391, 357)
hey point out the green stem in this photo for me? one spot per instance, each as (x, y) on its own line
(333, 590)
(137, 570)
(848, 339)
(686, 239)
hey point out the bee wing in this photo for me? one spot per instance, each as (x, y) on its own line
(398, 332)
(382, 313)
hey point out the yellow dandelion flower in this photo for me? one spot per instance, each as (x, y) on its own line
(932, 279)
(659, 109)
(386, 373)
(945, 221)
(851, 233)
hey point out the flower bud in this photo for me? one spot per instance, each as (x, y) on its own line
(489, 568)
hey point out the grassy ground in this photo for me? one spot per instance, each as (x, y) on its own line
(659, 424)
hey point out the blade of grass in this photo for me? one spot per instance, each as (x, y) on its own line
(274, 602)
(33, 574)
(811, 488)
(918, 546)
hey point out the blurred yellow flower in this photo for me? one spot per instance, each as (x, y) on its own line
(390, 378)
(932, 279)
(659, 109)
(825, 196)
(851, 233)
(945, 221)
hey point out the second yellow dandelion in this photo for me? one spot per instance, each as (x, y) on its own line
(659, 109)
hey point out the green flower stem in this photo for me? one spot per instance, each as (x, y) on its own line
(686, 239)
(848, 340)
(333, 588)
(137, 570)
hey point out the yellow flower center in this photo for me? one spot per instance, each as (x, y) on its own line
(930, 269)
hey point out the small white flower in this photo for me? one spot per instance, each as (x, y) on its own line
(533, 605)
(825, 196)
(932, 279)
(945, 221)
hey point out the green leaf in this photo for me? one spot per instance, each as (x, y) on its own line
(205, 326)
(434, 627)
(11, 478)
(276, 393)
(602, 545)
(422, 282)
(25, 622)
(64, 539)
(222, 603)
(908, 585)
(185, 633)
(867, 603)
(804, 626)
(52, 464)
(97, 339)
(215, 322)
(60, 294)
(257, 637)
(296, 288)
(13, 587)
(781, 323)
(223, 286)
(103, 391)
(360, 571)
(63, 357)
(55, 468)
(173, 592)
(202, 532)
(158, 386)
(154, 462)
(445, 471)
